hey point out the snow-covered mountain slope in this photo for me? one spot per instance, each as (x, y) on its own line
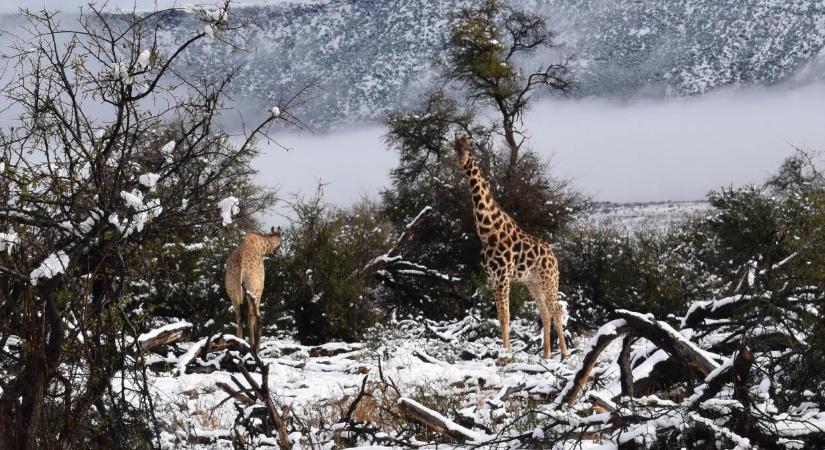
(367, 57)
(374, 56)
(689, 46)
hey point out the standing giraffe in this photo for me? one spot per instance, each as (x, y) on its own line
(511, 255)
(245, 280)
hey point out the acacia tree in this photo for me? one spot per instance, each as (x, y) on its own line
(87, 202)
(485, 57)
(484, 69)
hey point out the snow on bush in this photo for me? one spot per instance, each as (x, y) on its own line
(167, 148)
(229, 207)
(120, 71)
(8, 241)
(144, 59)
(149, 179)
(133, 199)
(54, 264)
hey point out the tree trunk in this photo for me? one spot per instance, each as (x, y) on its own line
(513, 147)
(21, 405)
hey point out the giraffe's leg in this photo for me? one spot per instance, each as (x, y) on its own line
(544, 311)
(557, 314)
(238, 320)
(560, 330)
(501, 289)
(550, 285)
(258, 323)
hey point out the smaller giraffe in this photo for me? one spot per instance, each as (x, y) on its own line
(509, 254)
(245, 280)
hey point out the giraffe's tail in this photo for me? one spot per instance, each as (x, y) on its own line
(247, 305)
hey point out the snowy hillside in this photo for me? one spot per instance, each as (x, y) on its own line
(372, 57)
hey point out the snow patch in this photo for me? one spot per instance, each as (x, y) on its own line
(157, 331)
(229, 207)
(53, 265)
(149, 179)
(8, 241)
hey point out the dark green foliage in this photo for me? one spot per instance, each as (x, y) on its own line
(604, 269)
(766, 234)
(317, 279)
(188, 281)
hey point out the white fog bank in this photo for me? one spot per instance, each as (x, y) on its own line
(677, 149)
(642, 150)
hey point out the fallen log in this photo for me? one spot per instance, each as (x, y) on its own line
(164, 335)
(437, 422)
(715, 309)
(668, 339)
(334, 349)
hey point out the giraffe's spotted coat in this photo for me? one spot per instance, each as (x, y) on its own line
(511, 255)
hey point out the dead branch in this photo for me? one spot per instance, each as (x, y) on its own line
(643, 326)
(605, 335)
(235, 394)
(351, 410)
(625, 371)
(380, 262)
(435, 421)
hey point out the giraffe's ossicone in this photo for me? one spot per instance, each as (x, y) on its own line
(511, 255)
(245, 280)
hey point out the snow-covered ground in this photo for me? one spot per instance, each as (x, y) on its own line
(422, 358)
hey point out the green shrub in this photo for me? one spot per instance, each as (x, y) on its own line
(316, 283)
(604, 269)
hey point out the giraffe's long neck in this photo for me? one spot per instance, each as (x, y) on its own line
(259, 244)
(486, 213)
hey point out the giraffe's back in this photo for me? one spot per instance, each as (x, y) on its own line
(244, 270)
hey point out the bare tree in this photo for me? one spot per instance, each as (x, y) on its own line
(113, 155)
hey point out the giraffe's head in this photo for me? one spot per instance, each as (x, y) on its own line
(461, 144)
(273, 239)
(264, 243)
